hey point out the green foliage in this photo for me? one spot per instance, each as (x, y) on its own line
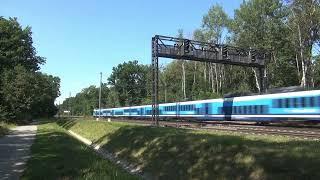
(85, 101)
(25, 93)
(5, 128)
(16, 46)
(28, 94)
(129, 80)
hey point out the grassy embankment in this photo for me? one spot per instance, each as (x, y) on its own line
(57, 155)
(169, 153)
(5, 128)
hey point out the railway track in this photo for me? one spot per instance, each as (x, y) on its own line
(298, 133)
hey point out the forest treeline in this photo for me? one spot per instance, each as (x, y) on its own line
(25, 92)
(289, 29)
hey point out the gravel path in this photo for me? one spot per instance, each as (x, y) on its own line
(15, 150)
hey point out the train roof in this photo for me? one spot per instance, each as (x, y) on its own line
(269, 91)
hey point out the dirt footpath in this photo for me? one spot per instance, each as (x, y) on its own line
(15, 150)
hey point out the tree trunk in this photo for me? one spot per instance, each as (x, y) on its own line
(303, 65)
(205, 72)
(257, 79)
(216, 74)
(184, 81)
(212, 79)
(297, 64)
(220, 76)
(194, 73)
(165, 90)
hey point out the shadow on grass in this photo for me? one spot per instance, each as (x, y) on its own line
(56, 155)
(170, 153)
(66, 123)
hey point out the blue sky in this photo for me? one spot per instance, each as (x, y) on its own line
(82, 38)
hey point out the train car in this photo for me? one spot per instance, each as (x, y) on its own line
(302, 105)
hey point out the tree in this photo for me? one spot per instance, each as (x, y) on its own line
(129, 80)
(25, 93)
(305, 24)
(262, 24)
(28, 95)
(16, 46)
(214, 30)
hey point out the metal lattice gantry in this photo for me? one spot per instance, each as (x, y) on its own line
(185, 49)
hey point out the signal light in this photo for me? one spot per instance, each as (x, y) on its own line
(252, 56)
(186, 46)
(225, 52)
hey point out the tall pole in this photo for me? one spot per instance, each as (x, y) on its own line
(100, 95)
(70, 104)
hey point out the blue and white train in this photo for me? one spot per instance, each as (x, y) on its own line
(302, 105)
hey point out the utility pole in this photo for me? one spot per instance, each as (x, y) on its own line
(100, 95)
(70, 104)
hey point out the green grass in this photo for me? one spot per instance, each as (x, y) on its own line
(57, 155)
(169, 153)
(5, 128)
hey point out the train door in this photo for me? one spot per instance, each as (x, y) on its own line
(177, 110)
(206, 109)
(141, 111)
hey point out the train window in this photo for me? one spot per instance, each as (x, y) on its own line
(246, 109)
(259, 109)
(254, 110)
(303, 102)
(280, 103)
(318, 99)
(312, 101)
(295, 102)
(263, 109)
(286, 103)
